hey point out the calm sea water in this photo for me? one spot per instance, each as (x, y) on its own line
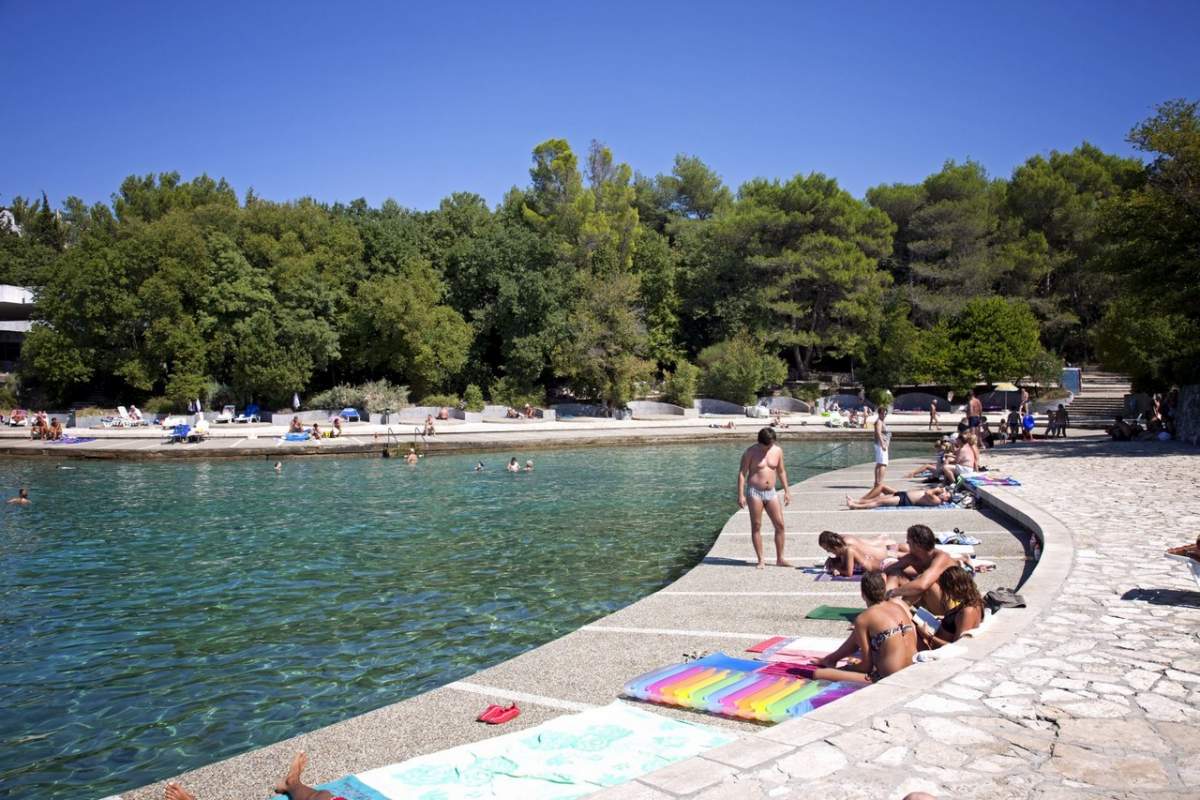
(157, 617)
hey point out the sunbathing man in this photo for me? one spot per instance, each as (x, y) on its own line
(22, 498)
(290, 785)
(914, 578)
(296, 426)
(850, 554)
(936, 496)
(884, 634)
(1188, 550)
(966, 609)
(762, 465)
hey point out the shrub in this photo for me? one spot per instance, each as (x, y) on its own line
(880, 397)
(734, 370)
(365, 398)
(95, 411)
(154, 405)
(439, 400)
(808, 392)
(679, 387)
(8, 398)
(473, 398)
(506, 392)
(1054, 394)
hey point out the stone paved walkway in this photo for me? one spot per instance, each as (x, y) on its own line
(1098, 698)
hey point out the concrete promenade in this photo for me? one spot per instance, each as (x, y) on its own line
(1095, 693)
(262, 440)
(721, 604)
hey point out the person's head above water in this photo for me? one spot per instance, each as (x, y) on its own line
(766, 437)
(921, 536)
(831, 542)
(23, 493)
(873, 588)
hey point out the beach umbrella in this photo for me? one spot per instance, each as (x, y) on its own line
(1006, 388)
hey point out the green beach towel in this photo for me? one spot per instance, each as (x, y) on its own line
(835, 613)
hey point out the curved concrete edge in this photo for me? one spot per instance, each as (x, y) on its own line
(892, 693)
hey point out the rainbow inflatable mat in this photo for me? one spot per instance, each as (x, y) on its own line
(734, 687)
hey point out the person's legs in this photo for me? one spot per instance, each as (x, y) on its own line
(176, 792)
(775, 512)
(832, 674)
(874, 502)
(756, 510)
(880, 471)
(879, 488)
(293, 788)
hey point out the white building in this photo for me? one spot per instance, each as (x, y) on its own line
(16, 311)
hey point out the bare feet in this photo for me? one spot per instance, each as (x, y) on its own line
(762, 564)
(176, 792)
(849, 501)
(779, 562)
(293, 773)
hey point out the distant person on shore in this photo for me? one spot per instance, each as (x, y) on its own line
(974, 411)
(851, 554)
(513, 466)
(1014, 426)
(529, 414)
(1023, 407)
(315, 432)
(761, 467)
(296, 426)
(135, 413)
(888, 496)
(337, 428)
(884, 634)
(412, 456)
(290, 785)
(429, 429)
(1120, 430)
(55, 431)
(1051, 424)
(965, 609)
(1063, 419)
(933, 417)
(22, 498)
(914, 577)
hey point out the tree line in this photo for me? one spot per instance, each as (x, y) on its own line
(599, 282)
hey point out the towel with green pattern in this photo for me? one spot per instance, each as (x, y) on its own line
(834, 613)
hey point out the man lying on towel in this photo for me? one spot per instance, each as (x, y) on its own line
(914, 576)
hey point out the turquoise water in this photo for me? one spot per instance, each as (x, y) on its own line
(157, 617)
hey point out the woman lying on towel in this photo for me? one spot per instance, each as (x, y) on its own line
(290, 785)
(851, 554)
(966, 609)
(884, 634)
(912, 497)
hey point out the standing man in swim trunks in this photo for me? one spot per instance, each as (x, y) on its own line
(974, 413)
(762, 465)
(883, 439)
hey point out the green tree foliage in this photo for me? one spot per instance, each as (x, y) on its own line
(679, 385)
(589, 279)
(735, 370)
(993, 340)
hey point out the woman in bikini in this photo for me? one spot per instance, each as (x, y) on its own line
(913, 497)
(850, 554)
(966, 609)
(884, 634)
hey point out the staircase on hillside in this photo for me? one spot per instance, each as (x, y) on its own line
(1101, 398)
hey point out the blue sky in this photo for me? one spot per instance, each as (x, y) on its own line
(412, 101)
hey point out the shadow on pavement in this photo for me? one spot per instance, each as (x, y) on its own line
(1165, 597)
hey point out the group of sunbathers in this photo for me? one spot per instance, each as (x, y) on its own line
(42, 428)
(895, 580)
(315, 432)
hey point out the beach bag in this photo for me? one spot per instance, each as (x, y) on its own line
(1003, 597)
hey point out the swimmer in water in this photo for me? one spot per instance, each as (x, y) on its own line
(412, 456)
(529, 466)
(513, 466)
(279, 466)
(479, 467)
(22, 498)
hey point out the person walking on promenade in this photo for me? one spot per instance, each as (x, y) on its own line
(761, 467)
(883, 439)
(933, 418)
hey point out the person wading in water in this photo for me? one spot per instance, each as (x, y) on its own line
(762, 465)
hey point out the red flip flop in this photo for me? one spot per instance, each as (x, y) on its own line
(504, 715)
(489, 712)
